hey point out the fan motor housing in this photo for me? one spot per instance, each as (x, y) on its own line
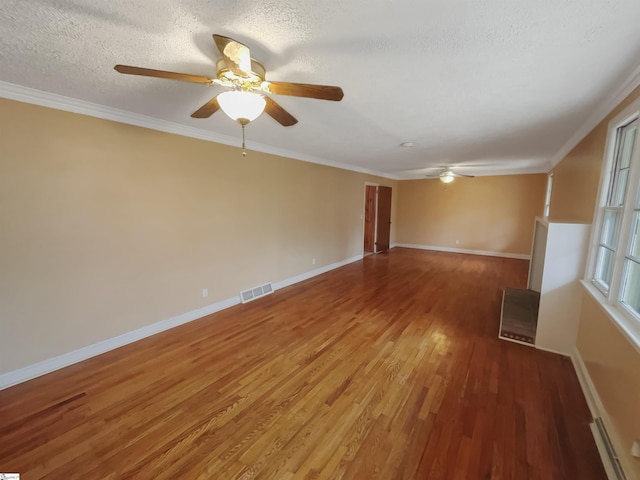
(256, 77)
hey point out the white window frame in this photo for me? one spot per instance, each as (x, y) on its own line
(626, 319)
(547, 197)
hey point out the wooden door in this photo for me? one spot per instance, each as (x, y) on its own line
(383, 222)
(370, 218)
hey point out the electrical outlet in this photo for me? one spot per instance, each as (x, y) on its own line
(313, 261)
(457, 242)
(205, 292)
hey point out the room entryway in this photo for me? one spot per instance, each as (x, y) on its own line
(377, 218)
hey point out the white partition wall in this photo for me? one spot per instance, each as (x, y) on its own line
(557, 264)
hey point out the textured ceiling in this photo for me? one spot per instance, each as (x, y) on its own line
(492, 86)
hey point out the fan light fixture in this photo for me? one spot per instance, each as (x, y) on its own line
(242, 106)
(250, 93)
(446, 177)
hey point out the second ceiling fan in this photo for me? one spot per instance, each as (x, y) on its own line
(446, 175)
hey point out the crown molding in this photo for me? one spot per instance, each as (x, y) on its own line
(68, 104)
(61, 102)
(599, 114)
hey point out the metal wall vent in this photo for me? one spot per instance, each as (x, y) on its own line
(611, 453)
(256, 292)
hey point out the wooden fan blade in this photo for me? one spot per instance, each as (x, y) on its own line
(148, 72)
(235, 54)
(279, 114)
(207, 109)
(462, 175)
(322, 92)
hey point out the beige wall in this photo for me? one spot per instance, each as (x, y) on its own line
(494, 214)
(614, 368)
(611, 360)
(107, 228)
(577, 177)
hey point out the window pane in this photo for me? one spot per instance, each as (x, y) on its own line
(604, 265)
(627, 146)
(610, 227)
(621, 187)
(634, 250)
(631, 288)
(625, 142)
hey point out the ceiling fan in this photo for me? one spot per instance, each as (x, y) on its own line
(447, 175)
(248, 94)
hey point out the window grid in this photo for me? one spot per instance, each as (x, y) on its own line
(616, 269)
(630, 289)
(625, 140)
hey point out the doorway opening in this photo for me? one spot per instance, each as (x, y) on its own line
(377, 218)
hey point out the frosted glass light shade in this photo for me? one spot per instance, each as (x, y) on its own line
(241, 105)
(446, 177)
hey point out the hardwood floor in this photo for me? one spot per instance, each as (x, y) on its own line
(387, 368)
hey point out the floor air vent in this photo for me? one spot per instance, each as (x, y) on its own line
(611, 453)
(256, 292)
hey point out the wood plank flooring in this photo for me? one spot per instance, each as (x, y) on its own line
(387, 368)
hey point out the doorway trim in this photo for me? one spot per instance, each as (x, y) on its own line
(375, 216)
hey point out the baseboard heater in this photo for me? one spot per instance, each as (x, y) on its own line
(610, 451)
(256, 292)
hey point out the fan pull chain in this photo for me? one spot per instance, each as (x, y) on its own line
(244, 152)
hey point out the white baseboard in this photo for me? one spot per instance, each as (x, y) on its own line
(597, 409)
(66, 359)
(315, 272)
(520, 256)
(589, 390)
(47, 366)
(550, 350)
